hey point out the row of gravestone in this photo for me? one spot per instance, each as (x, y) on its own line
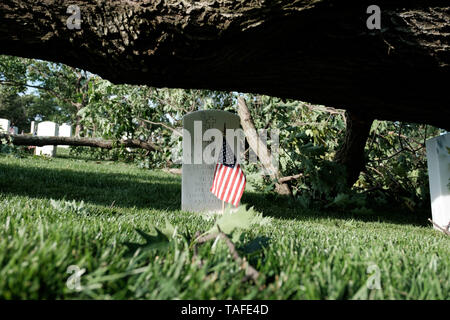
(50, 128)
(45, 128)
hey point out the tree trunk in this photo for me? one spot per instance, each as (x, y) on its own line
(260, 148)
(319, 51)
(78, 126)
(39, 141)
(351, 154)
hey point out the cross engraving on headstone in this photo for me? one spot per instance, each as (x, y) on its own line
(210, 122)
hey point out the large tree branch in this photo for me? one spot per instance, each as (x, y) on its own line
(268, 47)
(250, 272)
(25, 140)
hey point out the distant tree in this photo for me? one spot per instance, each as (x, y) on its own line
(64, 89)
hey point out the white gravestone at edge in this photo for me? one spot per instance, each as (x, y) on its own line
(197, 178)
(47, 128)
(4, 125)
(33, 128)
(438, 159)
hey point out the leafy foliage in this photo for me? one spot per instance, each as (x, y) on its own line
(397, 167)
(242, 218)
(310, 135)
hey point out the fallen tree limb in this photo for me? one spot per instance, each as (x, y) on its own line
(250, 272)
(195, 257)
(206, 238)
(39, 141)
(445, 229)
(259, 147)
(290, 178)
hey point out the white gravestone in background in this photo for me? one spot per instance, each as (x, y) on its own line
(47, 128)
(65, 130)
(127, 136)
(33, 128)
(197, 177)
(438, 158)
(4, 125)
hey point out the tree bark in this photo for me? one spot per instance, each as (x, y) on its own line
(351, 154)
(78, 126)
(260, 148)
(39, 141)
(290, 178)
(319, 51)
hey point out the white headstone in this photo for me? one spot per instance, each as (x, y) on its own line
(47, 128)
(65, 130)
(33, 128)
(438, 158)
(197, 170)
(4, 125)
(127, 136)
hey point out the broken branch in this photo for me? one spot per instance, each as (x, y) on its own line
(250, 272)
(443, 229)
(290, 178)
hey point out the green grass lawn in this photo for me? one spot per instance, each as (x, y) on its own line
(309, 255)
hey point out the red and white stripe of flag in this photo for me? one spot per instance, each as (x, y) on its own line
(229, 183)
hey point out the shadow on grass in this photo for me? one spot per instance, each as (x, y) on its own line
(161, 192)
(124, 190)
(284, 207)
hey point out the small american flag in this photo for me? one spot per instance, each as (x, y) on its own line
(229, 180)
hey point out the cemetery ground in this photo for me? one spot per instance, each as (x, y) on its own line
(306, 254)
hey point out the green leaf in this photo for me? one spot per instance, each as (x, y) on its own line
(243, 218)
(169, 230)
(158, 242)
